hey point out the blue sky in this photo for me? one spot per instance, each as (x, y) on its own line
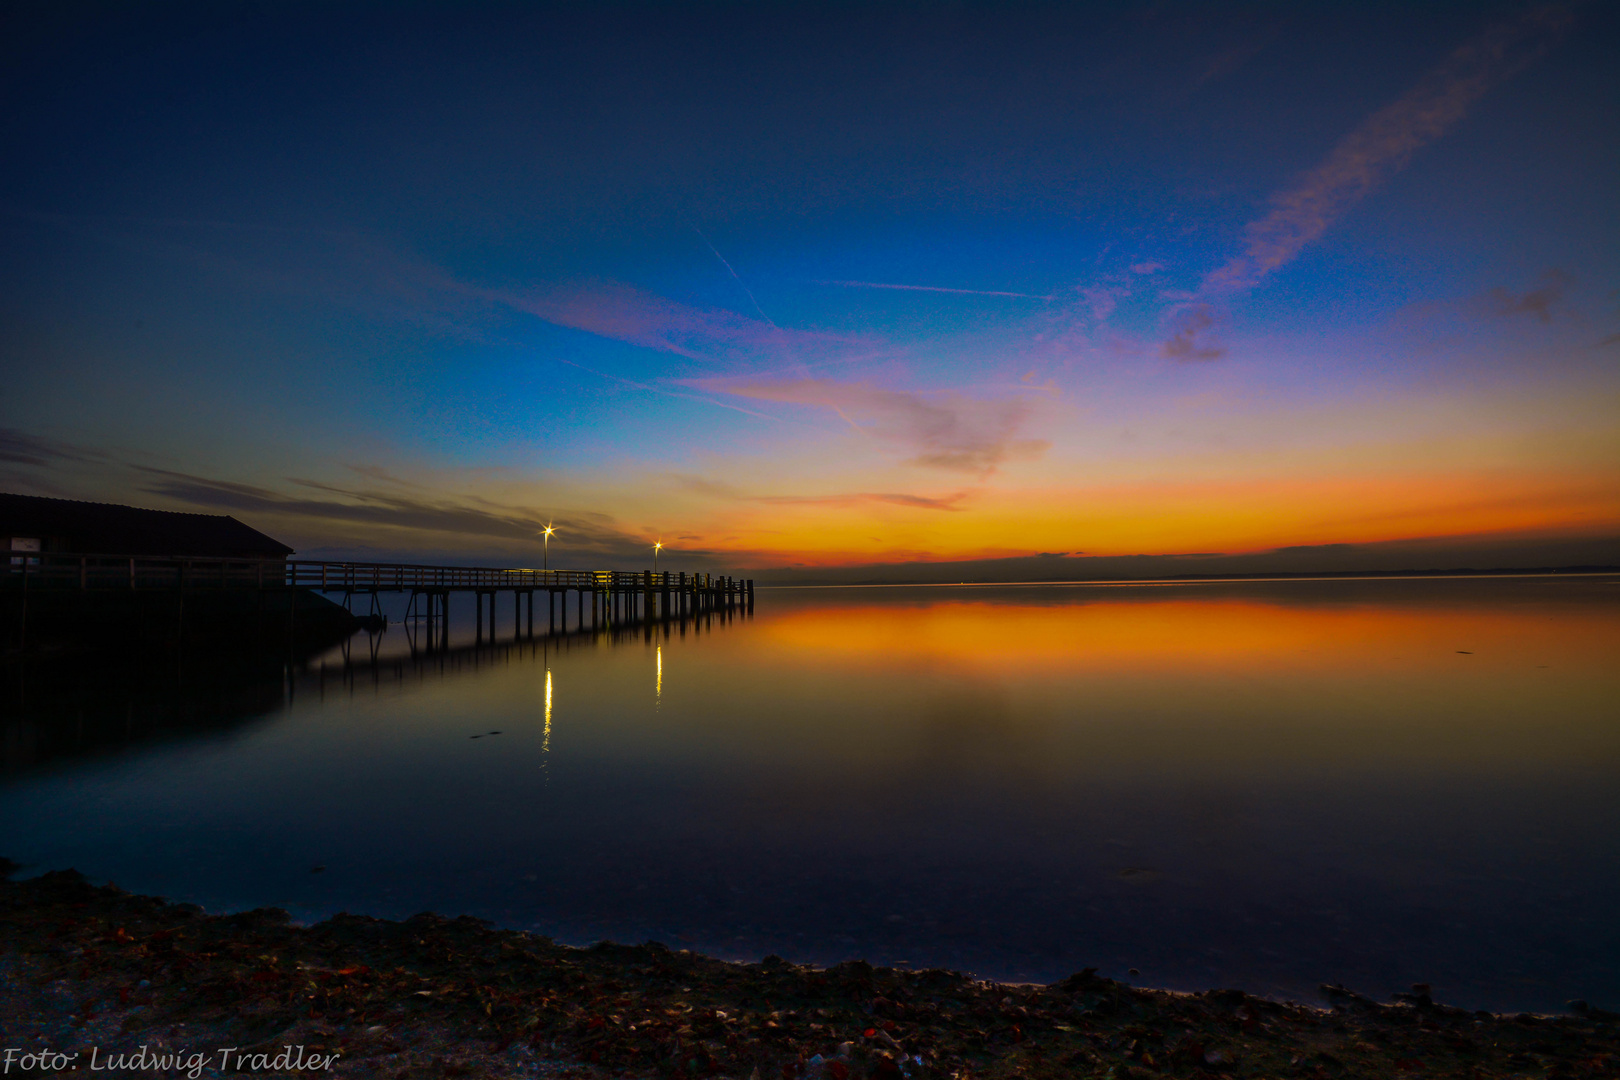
(818, 285)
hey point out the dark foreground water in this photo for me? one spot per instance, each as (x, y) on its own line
(1263, 785)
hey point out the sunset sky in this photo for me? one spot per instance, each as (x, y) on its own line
(822, 285)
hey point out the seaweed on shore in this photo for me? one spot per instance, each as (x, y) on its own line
(431, 996)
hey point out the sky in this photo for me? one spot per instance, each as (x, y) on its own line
(805, 288)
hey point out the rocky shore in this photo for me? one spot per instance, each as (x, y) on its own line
(154, 988)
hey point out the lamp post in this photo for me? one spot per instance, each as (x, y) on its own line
(656, 549)
(546, 549)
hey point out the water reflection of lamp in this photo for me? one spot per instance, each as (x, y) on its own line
(545, 736)
(658, 687)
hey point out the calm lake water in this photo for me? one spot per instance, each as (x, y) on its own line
(1262, 785)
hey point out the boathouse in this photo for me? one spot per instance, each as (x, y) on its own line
(29, 523)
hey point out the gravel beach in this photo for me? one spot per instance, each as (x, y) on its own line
(135, 985)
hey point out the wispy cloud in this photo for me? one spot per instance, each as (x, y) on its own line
(1192, 335)
(617, 311)
(1537, 303)
(21, 448)
(1235, 56)
(716, 489)
(624, 313)
(652, 388)
(1383, 144)
(918, 502)
(1103, 299)
(943, 431)
(935, 289)
(359, 507)
(381, 500)
(420, 511)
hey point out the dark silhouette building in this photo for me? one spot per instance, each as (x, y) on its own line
(29, 523)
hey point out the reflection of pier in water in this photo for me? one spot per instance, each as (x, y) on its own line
(365, 657)
(74, 707)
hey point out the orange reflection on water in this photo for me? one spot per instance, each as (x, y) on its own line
(1182, 633)
(1187, 677)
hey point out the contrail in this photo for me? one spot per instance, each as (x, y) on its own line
(734, 274)
(661, 390)
(1383, 144)
(934, 288)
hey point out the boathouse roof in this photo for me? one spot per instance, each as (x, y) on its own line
(63, 525)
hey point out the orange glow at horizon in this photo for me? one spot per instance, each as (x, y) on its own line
(1230, 517)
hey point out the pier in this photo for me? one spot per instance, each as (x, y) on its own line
(616, 596)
